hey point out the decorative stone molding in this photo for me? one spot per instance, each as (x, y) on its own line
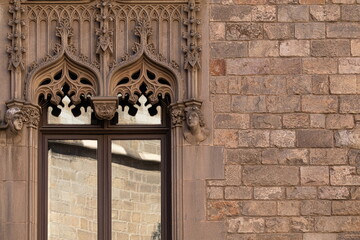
(177, 114)
(195, 131)
(104, 33)
(105, 107)
(16, 50)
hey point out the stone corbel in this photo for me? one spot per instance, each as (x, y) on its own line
(195, 131)
(105, 107)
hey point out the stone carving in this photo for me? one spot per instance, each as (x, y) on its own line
(105, 107)
(192, 50)
(196, 131)
(177, 114)
(31, 115)
(20, 113)
(14, 119)
(104, 33)
(16, 50)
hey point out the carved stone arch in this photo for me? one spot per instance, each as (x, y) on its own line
(44, 81)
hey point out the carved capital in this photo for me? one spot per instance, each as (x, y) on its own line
(31, 115)
(105, 107)
(177, 114)
(20, 113)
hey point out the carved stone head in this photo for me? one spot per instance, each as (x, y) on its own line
(15, 120)
(194, 117)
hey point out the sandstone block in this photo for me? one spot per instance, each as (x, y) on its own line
(320, 65)
(296, 120)
(309, 30)
(309, 2)
(218, 210)
(283, 104)
(233, 175)
(349, 104)
(217, 31)
(258, 208)
(285, 156)
(330, 48)
(243, 31)
(320, 84)
(355, 193)
(349, 65)
(301, 192)
(268, 236)
(302, 224)
(221, 102)
(232, 120)
(263, 85)
(270, 156)
(269, 193)
(243, 156)
(215, 193)
(348, 236)
(289, 208)
(228, 50)
(343, 30)
(217, 67)
(344, 175)
(315, 207)
(277, 224)
(263, 13)
(298, 85)
(279, 30)
(250, 2)
(266, 121)
(264, 48)
(230, 13)
(343, 84)
(317, 120)
(246, 225)
(337, 224)
(323, 13)
(328, 156)
(282, 138)
(344, 1)
(320, 236)
(338, 121)
(249, 104)
(295, 48)
(319, 104)
(314, 175)
(354, 157)
(254, 138)
(334, 193)
(346, 208)
(355, 47)
(219, 84)
(238, 193)
(350, 13)
(235, 85)
(227, 137)
(314, 138)
(293, 13)
(270, 175)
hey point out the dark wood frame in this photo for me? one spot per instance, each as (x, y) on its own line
(104, 133)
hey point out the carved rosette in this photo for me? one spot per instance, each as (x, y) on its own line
(105, 107)
(16, 50)
(104, 33)
(177, 114)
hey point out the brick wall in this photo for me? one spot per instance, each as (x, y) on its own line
(284, 84)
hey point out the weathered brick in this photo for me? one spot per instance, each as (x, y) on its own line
(238, 193)
(314, 175)
(233, 175)
(258, 208)
(343, 30)
(320, 236)
(266, 121)
(251, 66)
(217, 67)
(319, 104)
(246, 225)
(218, 210)
(334, 193)
(289, 208)
(349, 65)
(309, 30)
(299, 84)
(314, 138)
(243, 31)
(325, 12)
(264, 48)
(232, 120)
(338, 121)
(229, 49)
(346, 207)
(349, 104)
(343, 84)
(294, 48)
(217, 31)
(243, 156)
(227, 137)
(301, 192)
(215, 193)
(302, 224)
(330, 48)
(283, 104)
(263, 85)
(317, 120)
(221, 102)
(230, 13)
(279, 30)
(270, 175)
(355, 47)
(277, 224)
(296, 120)
(320, 84)
(269, 193)
(282, 138)
(254, 138)
(337, 224)
(344, 175)
(263, 13)
(248, 104)
(316, 207)
(219, 84)
(293, 13)
(320, 65)
(328, 156)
